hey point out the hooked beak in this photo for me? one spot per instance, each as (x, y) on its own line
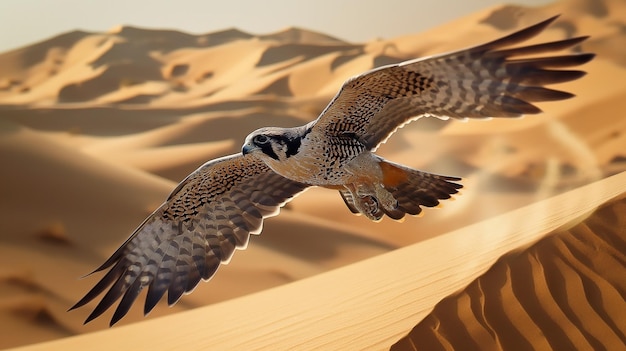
(247, 148)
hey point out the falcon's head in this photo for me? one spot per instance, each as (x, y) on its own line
(274, 143)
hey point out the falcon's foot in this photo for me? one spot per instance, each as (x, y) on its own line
(374, 201)
(402, 191)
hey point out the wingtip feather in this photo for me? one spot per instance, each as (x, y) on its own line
(518, 36)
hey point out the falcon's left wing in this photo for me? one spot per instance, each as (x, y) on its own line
(490, 80)
(209, 215)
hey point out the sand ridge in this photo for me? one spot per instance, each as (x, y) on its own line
(367, 305)
(531, 299)
(97, 128)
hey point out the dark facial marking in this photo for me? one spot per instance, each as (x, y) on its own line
(267, 149)
(293, 145)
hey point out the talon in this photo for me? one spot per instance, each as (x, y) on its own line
(372, 204)
(371, 207)
(387, 200)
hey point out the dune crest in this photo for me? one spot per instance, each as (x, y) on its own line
(98, 128)
(372, 303)
(565, 292)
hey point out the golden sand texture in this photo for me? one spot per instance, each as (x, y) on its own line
(566, 292)
(97, 128)
(368, 305)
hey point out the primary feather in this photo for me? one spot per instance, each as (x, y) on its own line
(213, 211)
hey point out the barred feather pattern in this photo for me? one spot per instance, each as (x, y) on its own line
(215, 209)
(209, 215)
(421, 189)
(489, 80)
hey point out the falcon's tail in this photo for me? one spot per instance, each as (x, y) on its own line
(413, 188)
(410, 188)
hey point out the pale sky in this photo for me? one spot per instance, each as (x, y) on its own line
(24, 22)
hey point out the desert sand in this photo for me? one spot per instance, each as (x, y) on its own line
(339, 310)
(97, 129)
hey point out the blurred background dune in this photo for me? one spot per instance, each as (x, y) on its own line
(97, 128)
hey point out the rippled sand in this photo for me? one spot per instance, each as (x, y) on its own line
(98, 128)
(565, 292)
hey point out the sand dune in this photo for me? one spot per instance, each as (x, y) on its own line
(371, 304)
(97, 128)
(531, 300)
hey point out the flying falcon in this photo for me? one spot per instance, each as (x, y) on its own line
(214, 210)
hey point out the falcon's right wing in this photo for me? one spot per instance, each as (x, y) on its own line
(489, 80)
(209, 215)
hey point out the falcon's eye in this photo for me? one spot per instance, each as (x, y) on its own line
(260, 139)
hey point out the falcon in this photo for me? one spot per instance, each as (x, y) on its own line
(214, 210)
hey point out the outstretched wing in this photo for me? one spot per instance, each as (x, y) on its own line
(483, 81)
(209, 215)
